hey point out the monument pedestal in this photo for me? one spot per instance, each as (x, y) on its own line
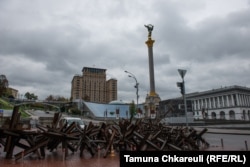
(152, 105)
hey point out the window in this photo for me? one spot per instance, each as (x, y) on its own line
(213, 115)
(244, 115)
(231, 115)
(222, 115)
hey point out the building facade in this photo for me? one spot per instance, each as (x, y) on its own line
(13, 92)
(76, 87)
(111, 85)
(92, 86)
(227, 103)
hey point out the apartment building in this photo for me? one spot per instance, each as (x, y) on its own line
(92, 86)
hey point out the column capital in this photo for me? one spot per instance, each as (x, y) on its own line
(150, 42)
(152, 93)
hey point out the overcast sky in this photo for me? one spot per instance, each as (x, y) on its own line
(44, 43)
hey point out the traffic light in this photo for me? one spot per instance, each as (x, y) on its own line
(181, 86)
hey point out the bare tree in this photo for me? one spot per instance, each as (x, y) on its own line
(4, 83)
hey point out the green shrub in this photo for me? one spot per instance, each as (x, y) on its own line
(75, 111)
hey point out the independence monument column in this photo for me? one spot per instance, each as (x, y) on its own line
(153, 99)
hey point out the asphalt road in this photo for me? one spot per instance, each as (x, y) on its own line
(229, 141)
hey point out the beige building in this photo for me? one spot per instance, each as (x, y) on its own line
(92, 86)
(111, 90)
(13, 92)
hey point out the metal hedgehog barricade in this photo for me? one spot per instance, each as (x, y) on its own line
(139, 135)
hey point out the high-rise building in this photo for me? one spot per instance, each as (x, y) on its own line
(92, 86)
(111, 90)
(76, 87)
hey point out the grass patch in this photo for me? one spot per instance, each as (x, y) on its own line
(5, 105)
(24, 114)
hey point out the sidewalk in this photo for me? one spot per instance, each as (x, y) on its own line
(55, 159)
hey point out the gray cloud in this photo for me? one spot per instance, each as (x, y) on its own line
(44, 44)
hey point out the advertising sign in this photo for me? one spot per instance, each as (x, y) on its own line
(1, 113)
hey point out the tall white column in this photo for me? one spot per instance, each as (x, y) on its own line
(241, 101)
(227, 100)
(244, 99)
(206, 100)
(211, 102)
(195, 107)
(232, 98)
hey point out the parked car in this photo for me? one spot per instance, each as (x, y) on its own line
(70, 120)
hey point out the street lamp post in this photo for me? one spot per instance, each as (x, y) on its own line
(136, 86)
(182, 86)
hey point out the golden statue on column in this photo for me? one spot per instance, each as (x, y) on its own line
(153, 99)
